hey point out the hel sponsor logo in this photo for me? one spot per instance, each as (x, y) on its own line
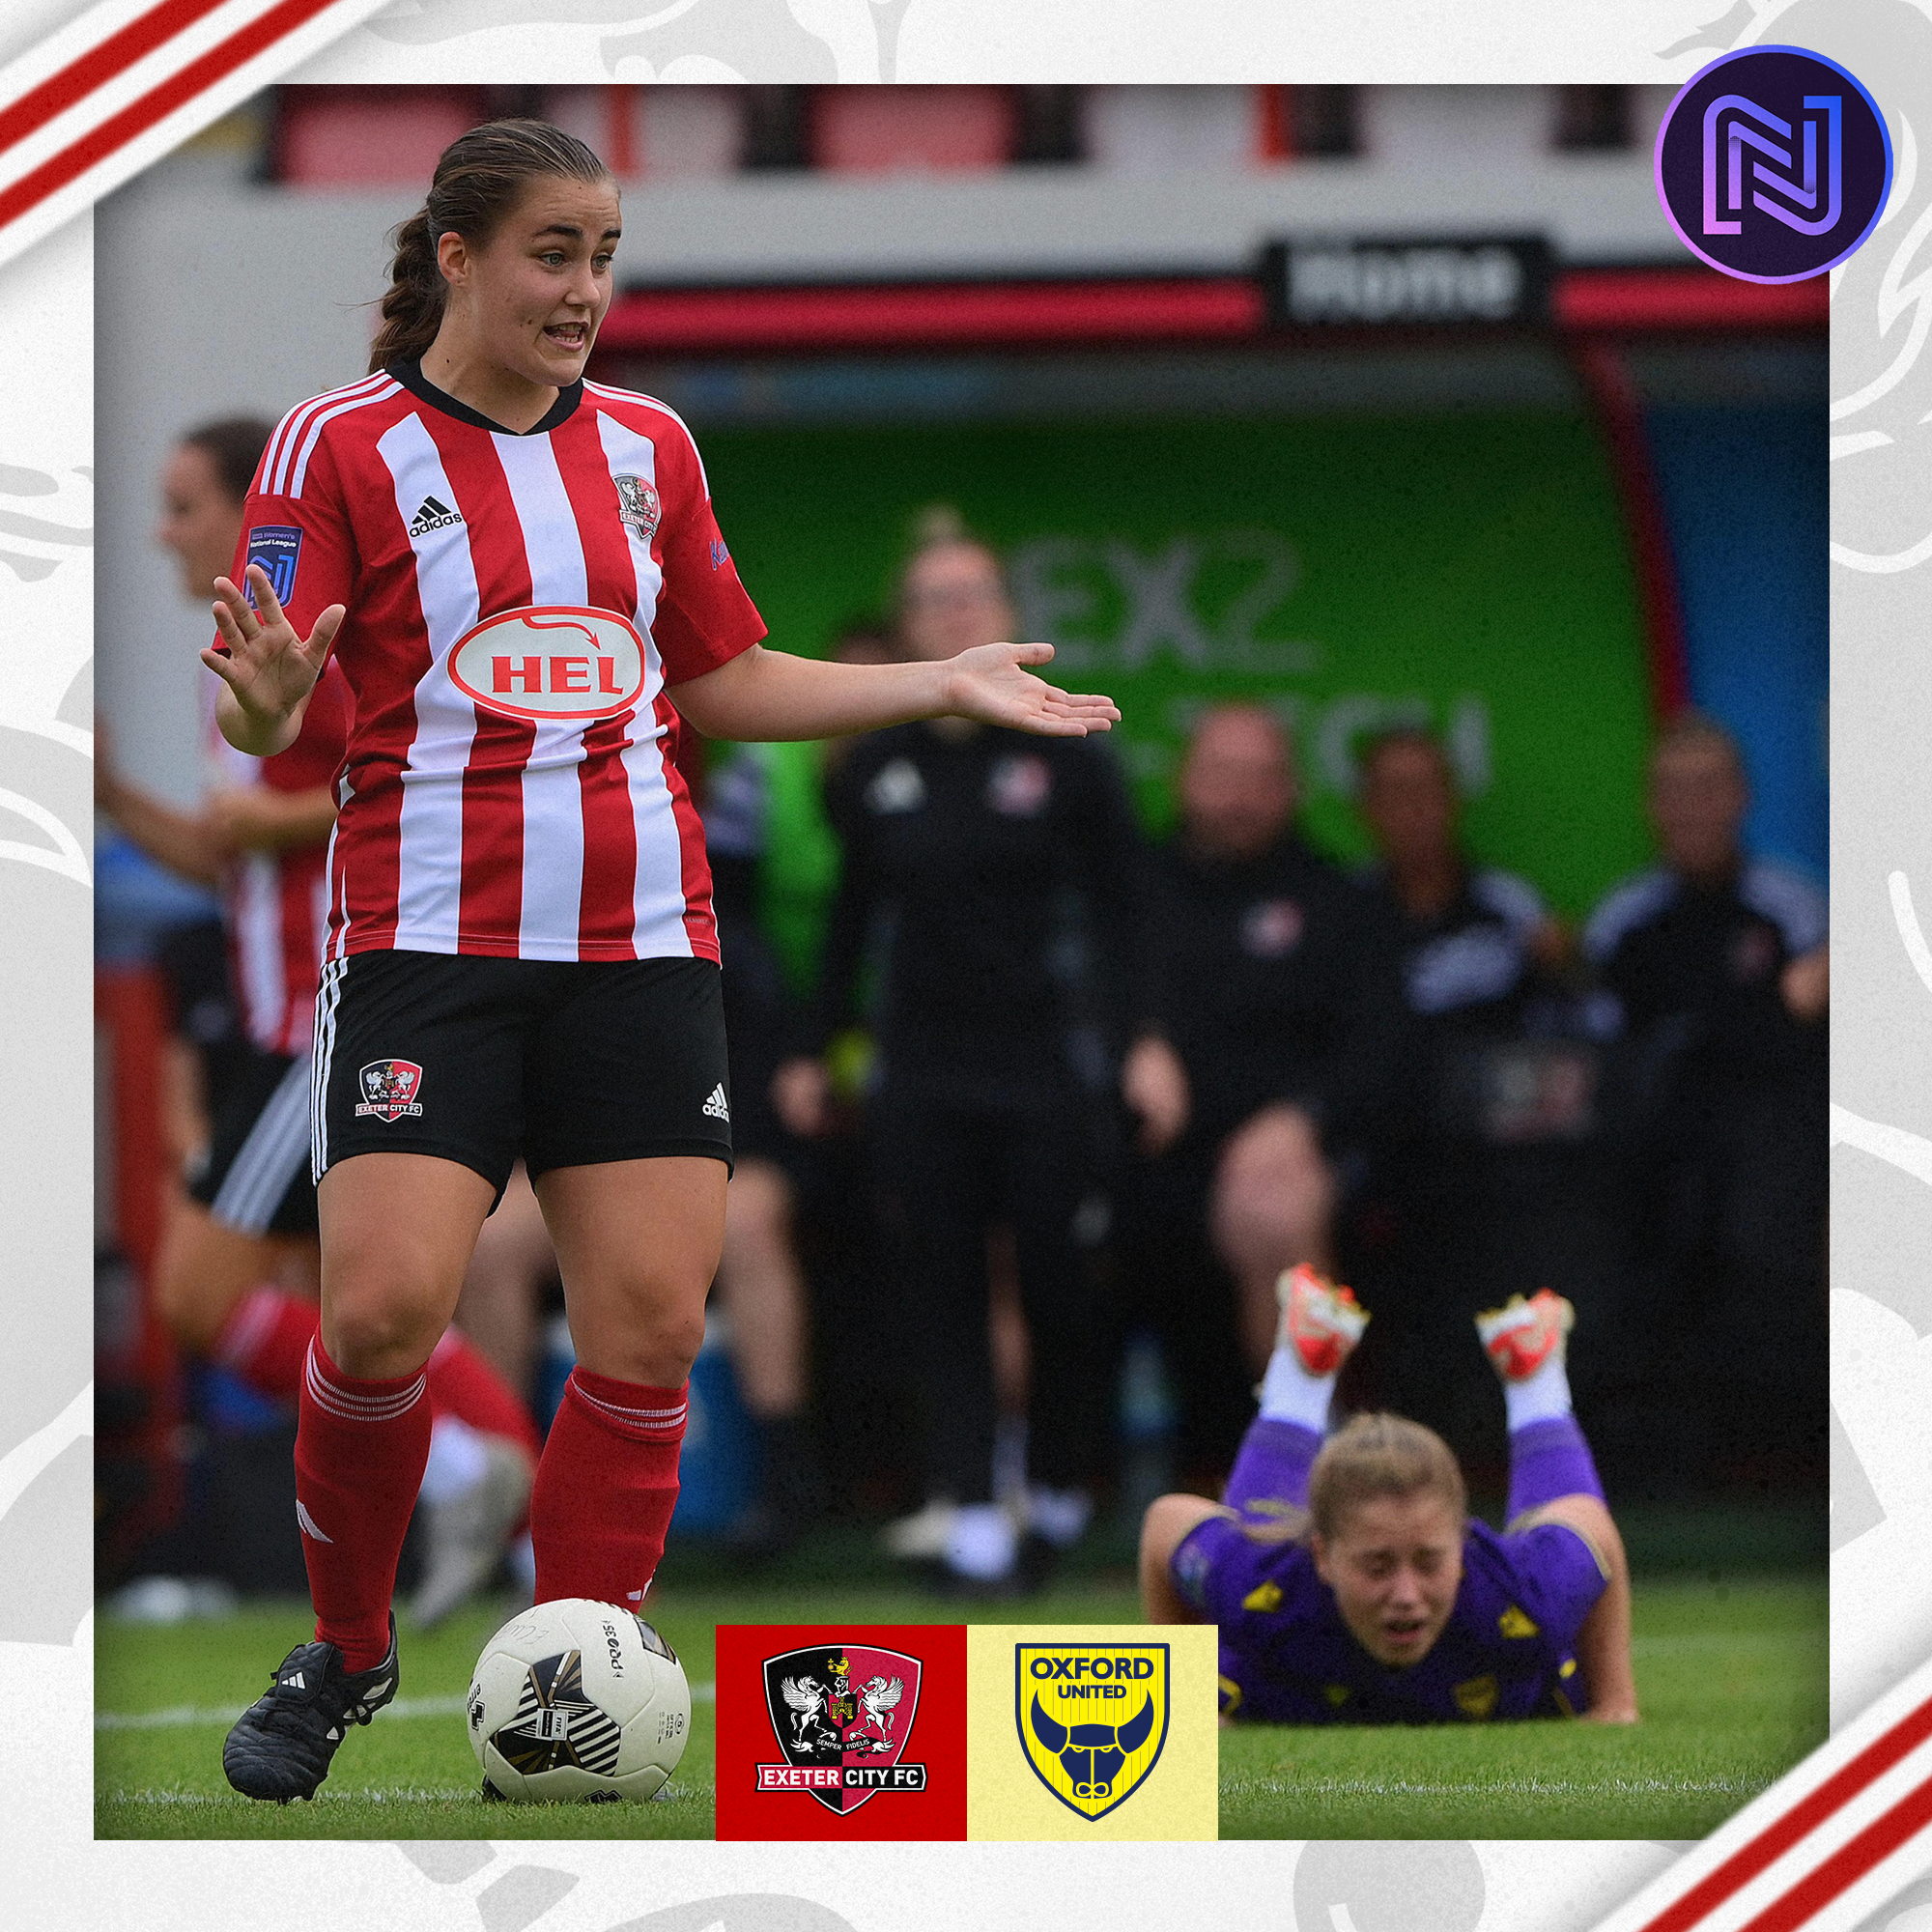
(842, 1717)
(1092, 1767)
(389, 1090)
(719, 555)
(277, 549)
(551, 660)
(637, 505)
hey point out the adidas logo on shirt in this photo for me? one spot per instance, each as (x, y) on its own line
(432, 515)
(716, 1106)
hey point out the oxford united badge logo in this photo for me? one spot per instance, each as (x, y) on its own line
(1093, 1718)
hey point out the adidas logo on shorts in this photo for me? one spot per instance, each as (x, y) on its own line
(432, 515)
(716, 1106)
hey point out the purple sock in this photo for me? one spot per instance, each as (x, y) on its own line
(1547, 1460)
(1273, 1465)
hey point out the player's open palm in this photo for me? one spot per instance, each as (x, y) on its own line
(269, 668)
(990, 683)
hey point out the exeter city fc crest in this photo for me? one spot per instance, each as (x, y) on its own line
(842, 1713)
(389, 1090)
(1093, 1718)
(637, 505)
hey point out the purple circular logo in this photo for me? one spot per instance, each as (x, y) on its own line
(1773, 164)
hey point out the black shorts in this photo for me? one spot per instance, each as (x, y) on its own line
(565, 1063)
(256, 1177)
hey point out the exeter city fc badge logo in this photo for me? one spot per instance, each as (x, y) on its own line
(389, 1090)
(1093, 1718)
(842, 1713)
(637, 506)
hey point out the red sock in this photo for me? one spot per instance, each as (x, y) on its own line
(462, 1383)
(265, 1340)
(605, 1489)
(360, 1447)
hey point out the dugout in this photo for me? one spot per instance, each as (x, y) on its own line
(1536, 503)
(1537, 520)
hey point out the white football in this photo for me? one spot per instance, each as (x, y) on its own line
(578, 1700)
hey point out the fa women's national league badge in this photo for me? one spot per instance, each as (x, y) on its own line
(1773, 164)
(1090, 1732)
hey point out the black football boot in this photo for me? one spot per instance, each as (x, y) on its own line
(282, 1744)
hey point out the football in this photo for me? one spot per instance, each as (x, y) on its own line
(577, 1700)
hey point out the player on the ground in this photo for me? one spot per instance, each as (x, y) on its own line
(1348, 1580)
(235, 1278)
(519, 572)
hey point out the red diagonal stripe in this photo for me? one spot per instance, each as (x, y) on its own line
(1781, 1834)
(96, 68)
(1848, 1863)
(156, 104)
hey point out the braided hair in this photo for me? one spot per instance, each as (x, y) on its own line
(479, 178)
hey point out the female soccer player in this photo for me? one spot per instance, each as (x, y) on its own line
(521, 577)
(246, 1226)
(1348, 1582)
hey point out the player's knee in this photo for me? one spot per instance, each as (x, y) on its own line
(175, 1300)
(189, 1296)
(655, 1347)
(376, 1338)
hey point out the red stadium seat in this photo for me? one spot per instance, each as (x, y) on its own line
(368, 136)
(898, 130)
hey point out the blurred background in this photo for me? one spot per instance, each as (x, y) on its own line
(1380, 409)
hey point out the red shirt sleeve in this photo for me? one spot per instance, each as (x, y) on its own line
(704, 617)
(303, 541)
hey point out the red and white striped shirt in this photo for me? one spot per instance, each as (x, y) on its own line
(516, 606)
(275, 904)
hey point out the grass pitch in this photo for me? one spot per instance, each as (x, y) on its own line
(1731, 1673)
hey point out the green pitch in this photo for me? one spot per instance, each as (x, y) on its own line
(1732, 1676)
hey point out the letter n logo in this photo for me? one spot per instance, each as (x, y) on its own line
(1092, 1718)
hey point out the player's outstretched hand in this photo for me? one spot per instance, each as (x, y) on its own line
(990, 684)
(269, 669)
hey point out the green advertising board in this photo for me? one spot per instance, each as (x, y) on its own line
(1467, 570)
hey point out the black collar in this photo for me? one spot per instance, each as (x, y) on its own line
(411, 376)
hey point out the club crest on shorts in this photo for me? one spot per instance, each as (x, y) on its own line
(842, 1715)
(1092, 1718)
(637, 505)
(389, 1090)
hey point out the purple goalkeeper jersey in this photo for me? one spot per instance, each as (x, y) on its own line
(1508, 1650)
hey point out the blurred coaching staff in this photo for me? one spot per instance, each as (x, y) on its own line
(1276, 987)
(516, 571)
(995, 885)
(1476, 1182)
(1717, 965)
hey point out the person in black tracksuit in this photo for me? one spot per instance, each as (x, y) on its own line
(1274, 982)
(991, 892)
(1483, 1183)
(1716, 966)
